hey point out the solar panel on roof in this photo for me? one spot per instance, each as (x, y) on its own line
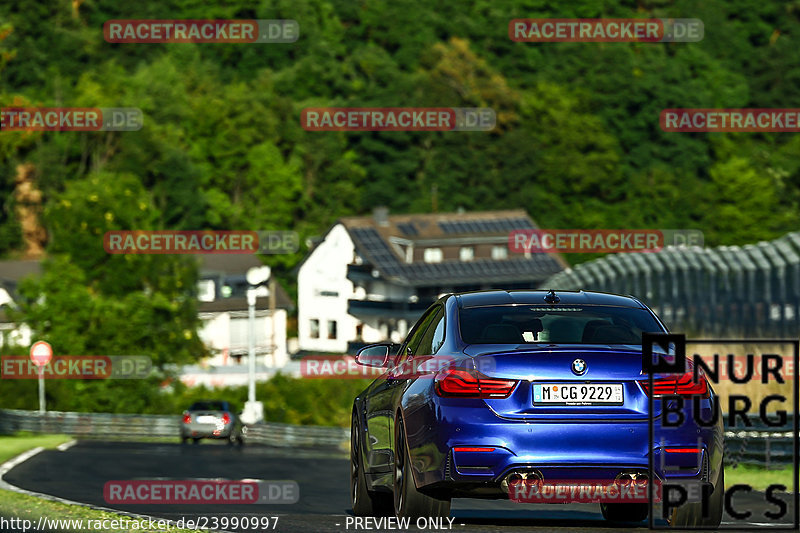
(408, 228)
(378, 252)
(497, 225)
(374, 245)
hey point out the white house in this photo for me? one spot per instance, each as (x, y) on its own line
(369, 278)
(222, 308)
(222, 291)
(11, 272)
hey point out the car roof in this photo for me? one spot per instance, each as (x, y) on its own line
(528, 297)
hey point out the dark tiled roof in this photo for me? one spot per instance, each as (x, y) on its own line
(496, 225)
(372, 242)
(228, 263)
(537, 267)
(408, 229)
(282, 301)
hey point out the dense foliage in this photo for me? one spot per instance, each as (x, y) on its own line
(578, 142)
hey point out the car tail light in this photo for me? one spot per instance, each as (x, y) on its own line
(187, 418)
(472, 449)
(456, 382)
(682, 450)
(683, 384)
(226, 418)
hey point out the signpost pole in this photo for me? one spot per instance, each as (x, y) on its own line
(41, 391)
(41, 354)
(253, 409)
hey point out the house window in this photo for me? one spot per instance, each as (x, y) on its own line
(205, 290)
(466, 253)
(499, 252)
(314, 328)
(331, 329)
(432, 255)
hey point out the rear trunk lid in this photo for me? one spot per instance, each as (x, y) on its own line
(603, 381)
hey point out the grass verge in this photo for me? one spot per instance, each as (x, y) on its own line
(13, 445)
(759, 478)
(26, 511)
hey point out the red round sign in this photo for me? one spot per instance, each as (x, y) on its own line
(41, 353)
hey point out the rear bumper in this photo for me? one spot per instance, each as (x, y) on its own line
(206, 431)
(579, 450)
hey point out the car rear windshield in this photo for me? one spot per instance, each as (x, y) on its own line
(568, 324)
(209, 406)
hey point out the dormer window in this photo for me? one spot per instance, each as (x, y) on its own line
(499, 252)
(432, 255)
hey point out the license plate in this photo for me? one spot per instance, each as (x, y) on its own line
(206, 419)
(578, 394)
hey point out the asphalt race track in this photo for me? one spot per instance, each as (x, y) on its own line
(80, 473)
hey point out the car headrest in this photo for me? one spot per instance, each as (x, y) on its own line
(501, 334)
(613, 335)
(534, 324)
(565, 331)
(588, 329)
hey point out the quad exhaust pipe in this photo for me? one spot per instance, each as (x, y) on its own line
(532, 476)
(633, 477)
(521, 476)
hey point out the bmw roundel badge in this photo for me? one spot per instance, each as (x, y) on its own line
(579, 367)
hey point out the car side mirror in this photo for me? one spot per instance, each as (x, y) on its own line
(376, 355)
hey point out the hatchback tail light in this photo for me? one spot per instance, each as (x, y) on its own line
(187, 418)
(681, 385)
(460, 383)
(226, 418)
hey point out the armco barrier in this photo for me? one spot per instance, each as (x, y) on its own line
(764, 448)
(131, 426)
(760, 446)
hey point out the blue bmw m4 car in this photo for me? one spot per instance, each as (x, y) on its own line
(494, 390)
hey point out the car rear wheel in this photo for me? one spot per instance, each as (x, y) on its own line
(408, 501)
(364, 502)
(624, 512)
(691, 514)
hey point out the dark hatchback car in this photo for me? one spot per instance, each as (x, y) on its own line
(211, 419)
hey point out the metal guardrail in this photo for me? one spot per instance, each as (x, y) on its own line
(111, 426)
(760, 446)
(765, 448)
